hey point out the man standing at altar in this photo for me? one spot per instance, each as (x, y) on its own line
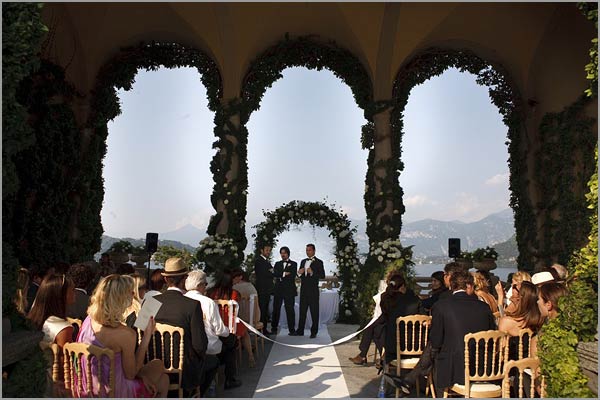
(311, 270)
(264, 284)
(285, 290)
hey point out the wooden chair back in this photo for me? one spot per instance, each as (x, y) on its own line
(525, 366)
(76, 324)
(79, 361)
(488, 358)
(56, 359)
(249, 310)
(412, 334)
(162, 346)
(229, 310)
(525, 343)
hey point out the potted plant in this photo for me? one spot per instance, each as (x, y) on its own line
(484, 259)
(465, 260)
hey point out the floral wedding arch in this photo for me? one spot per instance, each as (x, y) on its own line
(323, 216)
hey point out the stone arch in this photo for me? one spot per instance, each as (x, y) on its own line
(119, 73)
(231, 164)
(505, 95)
(323, 216)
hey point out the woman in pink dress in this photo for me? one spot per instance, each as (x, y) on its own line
(105, 327)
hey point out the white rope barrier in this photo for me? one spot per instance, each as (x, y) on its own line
(307, 346)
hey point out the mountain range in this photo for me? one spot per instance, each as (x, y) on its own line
(429, 237)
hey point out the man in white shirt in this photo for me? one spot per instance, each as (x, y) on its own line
(220, 342)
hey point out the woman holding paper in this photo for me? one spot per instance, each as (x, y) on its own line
(105, 327)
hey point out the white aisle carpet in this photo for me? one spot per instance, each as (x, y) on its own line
(291, 372)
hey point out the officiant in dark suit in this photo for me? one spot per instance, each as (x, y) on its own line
(264, 284)
(285, 290)
(311, 270)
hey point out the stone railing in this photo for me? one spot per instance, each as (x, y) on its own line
(588, 360)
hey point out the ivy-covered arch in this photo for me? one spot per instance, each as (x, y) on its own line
(306, 51)
(323, 216)
(119, 73)
(504, 95)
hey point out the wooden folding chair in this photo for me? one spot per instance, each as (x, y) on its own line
(412, 334)
(253, 315)
(525, 366)
(486, 350)
(78, 361)
(158, 350)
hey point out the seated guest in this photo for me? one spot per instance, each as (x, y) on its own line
(508, 302)
(35, 279)
(220, 342)
(437, 288)
(451, 321)
(481, 286)
(241, 284)
(527, 315)
(104, 327)
(198, 368)
(561, 271)
(375, 332)
(425, 363)
(20, 301)
(156, 284)
(82, 275)
(139, 289)
(223, 290)
(545, 276)
(49, 314)
(125, 269)
(397, 301)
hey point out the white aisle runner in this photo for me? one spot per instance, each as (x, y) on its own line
(292, 373)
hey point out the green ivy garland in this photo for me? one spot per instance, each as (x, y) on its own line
(578, 317)
(590, 10)
(565, 137)
(433, 62)
(47, 171)
(321, 215)
(22, 33)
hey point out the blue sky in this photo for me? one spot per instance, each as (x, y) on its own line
(304, 144)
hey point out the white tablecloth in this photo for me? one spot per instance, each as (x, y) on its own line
(329, 304)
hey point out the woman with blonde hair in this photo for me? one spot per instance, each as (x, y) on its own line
(509, 302)
(482, 291)
(105, 327)
(22, 288)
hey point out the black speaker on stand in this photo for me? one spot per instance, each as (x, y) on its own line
(151, 247)
(453, 247)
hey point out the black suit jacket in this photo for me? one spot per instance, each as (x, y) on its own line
(264, 275)
(452, 319)
(285, 286)
(178, 310)
(310, 284)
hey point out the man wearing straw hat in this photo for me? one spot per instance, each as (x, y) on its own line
(178, 310)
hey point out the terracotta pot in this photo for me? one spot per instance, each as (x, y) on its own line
(466, 264)
(487, 264)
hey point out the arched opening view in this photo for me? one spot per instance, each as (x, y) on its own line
(304, 144)
(456, 174)
(156, 170)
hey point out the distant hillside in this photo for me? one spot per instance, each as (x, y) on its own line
(108, 241)
(508, 250)
(430, 237)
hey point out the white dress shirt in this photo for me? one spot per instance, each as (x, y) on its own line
(306, 265)
(213, 324)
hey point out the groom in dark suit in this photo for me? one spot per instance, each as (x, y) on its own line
(285, 290)
(311, 270)
(264, 284)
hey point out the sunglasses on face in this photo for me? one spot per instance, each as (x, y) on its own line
(515, 288)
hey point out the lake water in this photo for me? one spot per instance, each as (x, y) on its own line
(425, 270)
